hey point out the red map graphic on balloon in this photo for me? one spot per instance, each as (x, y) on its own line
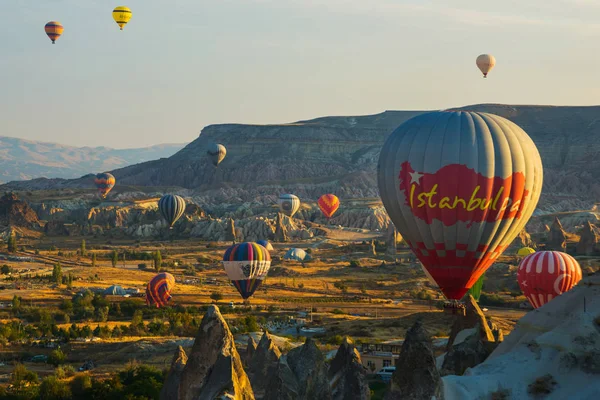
(457, 193)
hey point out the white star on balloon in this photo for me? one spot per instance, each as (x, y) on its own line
(524, 284)
(415, 177)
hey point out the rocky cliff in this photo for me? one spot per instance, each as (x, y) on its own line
(339, 155)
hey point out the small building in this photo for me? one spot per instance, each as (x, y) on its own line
(375, 356)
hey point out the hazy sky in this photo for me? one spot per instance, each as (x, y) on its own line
(180, 65)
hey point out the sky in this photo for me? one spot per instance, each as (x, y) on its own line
(180, 65)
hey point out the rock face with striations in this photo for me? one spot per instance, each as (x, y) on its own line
(416, 376)
(557, 237)
(170, 390)
(214, 369)
(308, 365)
(472, 339)
(347, 374)
(17, 213)
(588, 242)
(263, 364)
(250, 350)
(280, 230)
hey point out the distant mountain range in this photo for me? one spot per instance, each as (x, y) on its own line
(25, 159)
(339, 155)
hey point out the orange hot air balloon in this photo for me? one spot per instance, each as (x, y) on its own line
(54, 29)
(329, 203)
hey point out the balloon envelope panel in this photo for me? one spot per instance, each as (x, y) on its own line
(459, 186)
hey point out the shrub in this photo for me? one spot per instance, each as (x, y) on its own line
(542, 385)
(57, 357)
(355, 264)
(216, 296)
(52, 388)
(80, 384)
(142, 266)
(337, 311)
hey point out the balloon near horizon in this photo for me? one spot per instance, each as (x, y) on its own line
(459, 187)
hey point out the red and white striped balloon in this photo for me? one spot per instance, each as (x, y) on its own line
(547, 274)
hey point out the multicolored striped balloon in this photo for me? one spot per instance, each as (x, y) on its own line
(547, 274)
(158, 291)
(247, 265)
(54, 29)
(172, 208)
(104, 182)
(329, 204)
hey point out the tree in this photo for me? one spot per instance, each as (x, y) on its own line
(114, 258)
(70, 281)
(83, 250)
(80, 384)
(157, 260)
(12, 243)
(53, 388)
(57, 274)
(21, 377)
(6, 269)
(57, 357)
(16, 302)
(93, 259)
(216, 296)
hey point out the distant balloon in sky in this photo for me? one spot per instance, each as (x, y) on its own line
(172, 208)
(217, 153)
(104, 182)
(54, 29)
(459, 187)
(547, 274)
(121, 15)
(329, 204)
(289, 204)
(485, 63)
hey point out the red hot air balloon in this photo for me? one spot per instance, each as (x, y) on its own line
(547, 274)
(459, 186)
(328, 203)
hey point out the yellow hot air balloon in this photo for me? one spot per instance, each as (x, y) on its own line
(485, 63)
(525, 251)
(121, 15)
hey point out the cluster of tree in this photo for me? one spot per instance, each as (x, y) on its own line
(136, 381)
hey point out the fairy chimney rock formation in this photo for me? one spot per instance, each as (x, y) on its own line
(264, 363)
(250, 350)
(588, 241)
(557, 237)
(170, 390)
(214, 367)
(280, 230)
(416, 376)
(347, 374)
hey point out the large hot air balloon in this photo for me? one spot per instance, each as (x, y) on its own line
(172, 208)
(525, 251)
(247, 265)
(54, 29)
(217, 153)
(289, 204)
(459, 186)
(547, 274)
(328, 203)
(104, 182)
(121, 15)
(266, 244)
(485, 63)
(158, 291)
